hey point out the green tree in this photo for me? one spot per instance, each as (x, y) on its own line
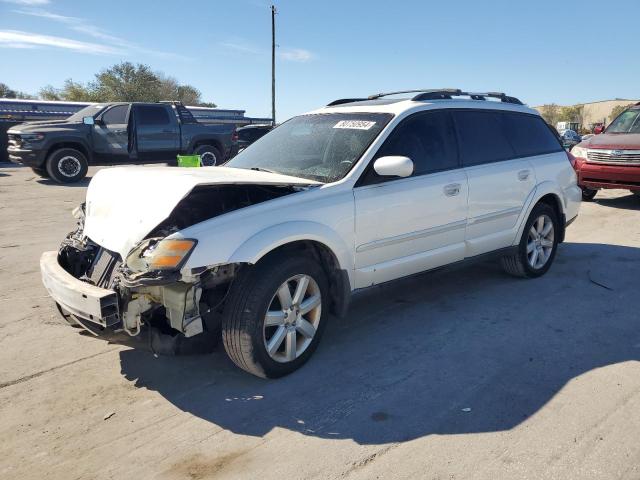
(617, 110)
(126, 82)
(550, 113)
(574, 113)
(6, 92)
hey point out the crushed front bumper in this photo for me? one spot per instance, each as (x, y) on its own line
(86, 301)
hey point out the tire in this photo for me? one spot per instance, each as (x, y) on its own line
(41, 172)
(588, 194)
(520, 264)
(209, 155)
(244, 331)
(67, 165)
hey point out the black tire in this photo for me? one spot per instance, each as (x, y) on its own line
(243, 331)
(588, 194)
(67, 165)
(209, 155)
(518, 264)
(41, 172)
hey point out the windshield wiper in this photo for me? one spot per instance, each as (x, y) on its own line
(260, 169)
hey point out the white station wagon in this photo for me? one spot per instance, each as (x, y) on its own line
(361, 192)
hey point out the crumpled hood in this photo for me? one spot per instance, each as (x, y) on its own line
(125, 203)
(620, 141)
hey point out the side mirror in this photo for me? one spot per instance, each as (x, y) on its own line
(393, 166)
(88, 120)
(599, 129)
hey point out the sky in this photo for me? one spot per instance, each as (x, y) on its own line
(539, 51)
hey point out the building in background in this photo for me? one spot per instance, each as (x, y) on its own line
(592, 114)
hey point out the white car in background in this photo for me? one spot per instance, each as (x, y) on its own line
(355, 194)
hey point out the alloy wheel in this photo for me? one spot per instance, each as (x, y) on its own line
(540, 242)
(69, 166)
(292, 318)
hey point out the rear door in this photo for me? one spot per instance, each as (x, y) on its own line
(499, 180)
(407, 225)
(157, 133)
(110, 138)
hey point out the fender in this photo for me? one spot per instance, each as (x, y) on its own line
(536, 194)
(62, 142)
(257, 246)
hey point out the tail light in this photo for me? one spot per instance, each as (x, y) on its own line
(234, 136)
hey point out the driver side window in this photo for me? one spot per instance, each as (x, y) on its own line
(116, 115)
(427, 138)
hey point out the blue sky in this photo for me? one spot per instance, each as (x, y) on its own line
(541, 51)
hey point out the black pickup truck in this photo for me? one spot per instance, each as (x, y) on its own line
(118, 133)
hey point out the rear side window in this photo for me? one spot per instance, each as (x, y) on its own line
(428, 139)
(116, 115)
(482, 137)
(529, 135)
(148, 115)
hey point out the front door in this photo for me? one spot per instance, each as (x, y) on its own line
(407, 225)
(110, 138)
(499, 181)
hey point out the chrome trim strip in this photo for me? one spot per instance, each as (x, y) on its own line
(495, 215)
(406, 237)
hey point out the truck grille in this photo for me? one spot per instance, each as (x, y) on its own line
(614, 157)
(104, 268)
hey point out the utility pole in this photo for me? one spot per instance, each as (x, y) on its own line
(273, 64)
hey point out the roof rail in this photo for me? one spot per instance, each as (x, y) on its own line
(340, 101)
(447, 94)
(442, 91)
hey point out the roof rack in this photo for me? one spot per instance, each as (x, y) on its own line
(435, 94)
(340, 101)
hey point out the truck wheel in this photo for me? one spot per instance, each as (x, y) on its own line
(538, 244)
(210, 156)
(588, 194)
(67, 165)
(41, 172)
(275, 316)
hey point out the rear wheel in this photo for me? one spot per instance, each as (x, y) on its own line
(209, 155)
(588, 194)
(67, 165)
(275, 316)
(538, 244)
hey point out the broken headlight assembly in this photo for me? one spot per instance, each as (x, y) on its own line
(155, 254)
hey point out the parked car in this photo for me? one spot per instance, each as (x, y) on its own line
(250, 133)
(117, 133)
(611, 159)
(569, 138)
(352, 195)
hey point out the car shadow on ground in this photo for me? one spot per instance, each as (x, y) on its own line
(626, 202)
(413, 355)
(82, 183)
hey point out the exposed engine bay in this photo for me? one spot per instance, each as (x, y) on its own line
(163, 296)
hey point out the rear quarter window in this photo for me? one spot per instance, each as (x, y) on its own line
(529, 135)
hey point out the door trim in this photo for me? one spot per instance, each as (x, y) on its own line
(515, 211)
(406, 237)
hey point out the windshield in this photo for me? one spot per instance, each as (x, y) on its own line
(89, 111)
(320, 147)
(626, 122)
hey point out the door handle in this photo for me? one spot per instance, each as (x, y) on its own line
(523, 175)
(452, 189)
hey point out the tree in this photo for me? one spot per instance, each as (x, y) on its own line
(126, 82)
(6, 92)
(550, 113)
(572, 114)
(617, 110)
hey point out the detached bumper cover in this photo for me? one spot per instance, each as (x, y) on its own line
(79, 298)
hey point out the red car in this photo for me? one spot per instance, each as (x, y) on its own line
(611, 159)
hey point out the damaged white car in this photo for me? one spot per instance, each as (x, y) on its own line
(358, 193)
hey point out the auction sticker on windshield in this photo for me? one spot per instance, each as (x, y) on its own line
(355, 124)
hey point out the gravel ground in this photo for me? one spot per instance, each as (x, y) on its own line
(461, 374)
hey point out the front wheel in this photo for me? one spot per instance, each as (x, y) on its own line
(210, 156)
(67, 165)
(588, 194)
(275, 316)
(538, 244)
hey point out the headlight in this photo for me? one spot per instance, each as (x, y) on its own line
(32, 137)
(579, 152)
(158, 254)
